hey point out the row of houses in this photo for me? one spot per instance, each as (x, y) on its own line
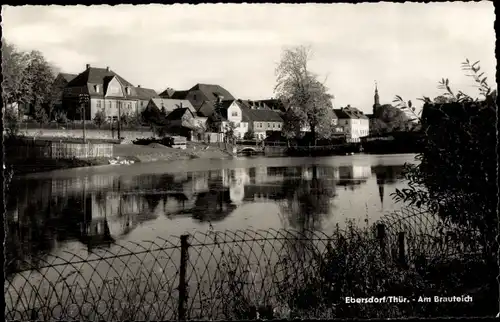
(115, 95)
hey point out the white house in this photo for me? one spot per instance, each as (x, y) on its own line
(232, 114)
(356, 125)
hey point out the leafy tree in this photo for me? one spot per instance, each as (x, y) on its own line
(230, 134)
(100, 118)
(153, 116)
(12, 122)
(388, 118)
(40, 77)
(215, 120)
(441, 99)
(249, 135)
(308, 99)
(16, 89)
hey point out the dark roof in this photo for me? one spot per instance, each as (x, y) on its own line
(274, 104)
(181, 95)
(263, 116)
(206, 109)
(225, 104)
(171, 104)
(68, 77)
(178, 113)
(212, 92)
(100, 76)
(146, 93)
(95, 75)
(167, 93)
(349, 113)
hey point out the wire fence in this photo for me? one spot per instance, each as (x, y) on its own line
(233, 274)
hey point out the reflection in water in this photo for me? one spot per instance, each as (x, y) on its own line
(100, 209)
(386, 176)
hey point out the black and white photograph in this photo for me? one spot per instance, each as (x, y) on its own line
(256, 161)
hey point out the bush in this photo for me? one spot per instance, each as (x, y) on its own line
(100, 118)
(250, 135)
(12, 122)
(456, 175)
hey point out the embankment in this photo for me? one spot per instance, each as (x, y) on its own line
(137, 153)
(127, 135)
(158, 152)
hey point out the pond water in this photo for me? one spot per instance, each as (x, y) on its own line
(74, 210)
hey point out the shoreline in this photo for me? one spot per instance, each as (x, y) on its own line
(129, 152)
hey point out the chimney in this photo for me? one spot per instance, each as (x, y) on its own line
(138, 86)
(87, 66)
(107, 68)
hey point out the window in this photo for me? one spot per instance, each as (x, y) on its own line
(96, 88)
(234, 113)
(98, 103)
(109, 104)
(268, 125)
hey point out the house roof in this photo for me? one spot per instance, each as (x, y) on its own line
(68, 77)
(206, 109)
(168, 93)
(179, 94)
(274, 104)
(264, 115)
(94, 75)
(172, 104)
(146, 93)
(349, 113)
(178, 113)
(212, 92)
(100, 76)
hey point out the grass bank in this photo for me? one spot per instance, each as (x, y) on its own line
(158, 152)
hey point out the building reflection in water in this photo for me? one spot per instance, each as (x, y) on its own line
(100, 209)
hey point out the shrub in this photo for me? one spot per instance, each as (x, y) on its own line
(250, 135)
(100, 118)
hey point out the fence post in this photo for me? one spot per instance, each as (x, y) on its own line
(401, 249)
(182, 277)
(381, 238)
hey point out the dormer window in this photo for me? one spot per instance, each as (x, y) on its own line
(96, 88)
(127, 90)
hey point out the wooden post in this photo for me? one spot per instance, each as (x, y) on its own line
(381, 237)
(401, 249)
(182, 277)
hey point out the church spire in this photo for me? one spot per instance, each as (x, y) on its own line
(376, 103)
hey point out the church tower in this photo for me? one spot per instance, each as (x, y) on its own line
(376, 99)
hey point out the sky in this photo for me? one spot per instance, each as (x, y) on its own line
(405, 47)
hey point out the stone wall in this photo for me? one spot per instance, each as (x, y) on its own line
(128, 135)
